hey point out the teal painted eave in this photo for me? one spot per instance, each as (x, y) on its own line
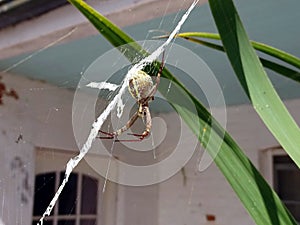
(271, 21)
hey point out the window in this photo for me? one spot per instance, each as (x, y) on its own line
(77, 204)
(282, 173)
(286, 179)
(82, 201)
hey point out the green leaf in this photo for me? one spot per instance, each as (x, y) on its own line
(283, 70)
(256, 83)
(260, 200)
(254, 79)
(267, 49)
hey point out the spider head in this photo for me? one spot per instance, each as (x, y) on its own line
(140, 85)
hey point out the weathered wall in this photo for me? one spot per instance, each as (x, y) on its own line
(190, 195)
(40, 117)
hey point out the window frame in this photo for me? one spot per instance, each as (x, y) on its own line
(267, 164)
(44, 164)
(77, 216)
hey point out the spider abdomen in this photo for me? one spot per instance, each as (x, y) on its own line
(140, 85)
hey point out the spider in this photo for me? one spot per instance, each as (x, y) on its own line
(142, 89)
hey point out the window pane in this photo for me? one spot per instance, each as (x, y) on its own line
(44, 223)
(295, 210)
(289, 184)
(89, 195)
(66, 222)
(88, 222)
(68, 197)
(43, 192)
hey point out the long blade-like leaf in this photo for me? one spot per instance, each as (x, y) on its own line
(269, 50)
(254, 79)
(260, 200)
(262, 47)
(280, 69)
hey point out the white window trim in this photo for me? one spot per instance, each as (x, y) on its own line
(266, 162)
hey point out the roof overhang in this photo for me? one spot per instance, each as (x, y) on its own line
(50, 27)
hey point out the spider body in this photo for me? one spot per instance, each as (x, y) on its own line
(142, 89)
(140, 85)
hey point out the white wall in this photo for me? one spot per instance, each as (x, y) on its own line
(190, 195)
(42, 114)
(16, 178)
(42, 117)
(208, 192)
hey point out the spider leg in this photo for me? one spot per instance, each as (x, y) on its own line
(155, 86)
(112, 135)
(145, 112)
(147, 116)
(162, 65)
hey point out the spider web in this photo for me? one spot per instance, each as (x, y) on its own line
(53, 110)
(97, 125)
(100, 120)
